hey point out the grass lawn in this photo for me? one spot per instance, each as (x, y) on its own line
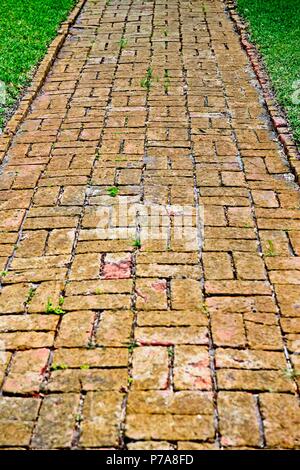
(26, 29)
(275, 28)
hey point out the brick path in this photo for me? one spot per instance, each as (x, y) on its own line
(162, 345)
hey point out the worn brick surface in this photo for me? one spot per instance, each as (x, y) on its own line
(117, 333)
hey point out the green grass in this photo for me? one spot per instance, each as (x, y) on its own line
(26, 29)
(275, 28)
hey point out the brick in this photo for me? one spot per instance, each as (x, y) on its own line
(12, 298)
(149, 445)
(281, 417)
(171, 427)
(240, 217)
(44, 293)
(249, 359)
(27, 371)
(191, 368)
(56, 422)
(170, 335)
(14, 433)
(72, 380)
(172, 318)
(189, 445)
(101, 417)
(5, 358)
(246, 305)
(114, 328)
(28, 322)
(150, 368)
(228, 330)
(249, 266)
(151, 294)
(238, 287)
(185, 293)
(217, 266)
(28, 339)
(75, 329)
(60, 241)
(97, 302)
(10, 220)
(263, 336)
(166, 401)
(288, 297)
(264, 198)
(238, 419)
(19, 409)
(99, 287)
(32, 244)
(86, 267)
(98, 357)
(263, 380)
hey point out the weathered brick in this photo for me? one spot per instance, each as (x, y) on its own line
(72, 380)
(191, 368)
(75, 329)
(238, 419)
(281, 417)
(145, 426)
(101, 418)
(98, 357)
(185, 293)
(249, 359)
(114, 328)
(263, 380)
(27, 371)
(228, 330)
(56, 422)
(217, 266)
(150, 368)
(166, 401)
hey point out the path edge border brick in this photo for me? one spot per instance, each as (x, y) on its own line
(38, 80)
(278, 116)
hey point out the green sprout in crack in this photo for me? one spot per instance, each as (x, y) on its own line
(84, 367)
(3, 273)
(98, 291)
(291, 373)
(146, 82)
(123, 42)
(120, 159)
(54, 310)
(113, 191)
(271, 249)
(137, 243)
(165, 32)
(204, 308)
(30, 294)
(170, 352)
(132, 346)
(58, 366)
(130, 380)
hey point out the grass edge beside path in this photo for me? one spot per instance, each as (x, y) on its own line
(27, 28)
(274, 27)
